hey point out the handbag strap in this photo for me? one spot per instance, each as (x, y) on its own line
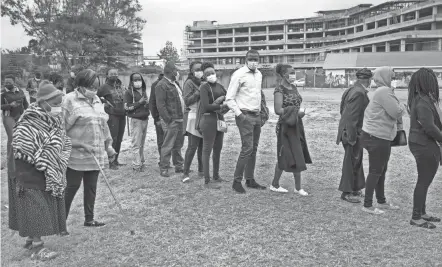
(213, 97)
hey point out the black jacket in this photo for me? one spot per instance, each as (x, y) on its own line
(353, 104)
(113, 94)
(425, 123)
(153, 102)
(131, 101)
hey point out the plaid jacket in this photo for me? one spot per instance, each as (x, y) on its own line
(168, 101)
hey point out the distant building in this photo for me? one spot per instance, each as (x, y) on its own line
(393, 26)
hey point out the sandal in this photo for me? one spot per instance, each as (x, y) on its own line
(431, 219)
(94, 224)
(44, 254)
(349, 198)
(426, 225)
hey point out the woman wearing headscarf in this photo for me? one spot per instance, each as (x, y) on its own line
(41, 152)
(191, 99)
(382, 119)
(425, 140)
(86, 124)
(292, 151)
(211, 110)
(136, 104)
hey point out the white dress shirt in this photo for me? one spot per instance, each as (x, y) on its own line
(244, 92)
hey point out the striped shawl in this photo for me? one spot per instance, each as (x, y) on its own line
(40, 139)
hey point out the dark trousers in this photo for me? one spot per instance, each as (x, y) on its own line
(160, 137)
(172, 145)
(90, 179)
(9, 123)
(379, 151)
(194, 143)
(427, 161)
(212, 140)
(353, 178)
(250, 131)
(117, 126)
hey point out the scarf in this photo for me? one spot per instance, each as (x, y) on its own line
(40, 139)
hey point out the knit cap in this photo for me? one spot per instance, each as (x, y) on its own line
(47, 91)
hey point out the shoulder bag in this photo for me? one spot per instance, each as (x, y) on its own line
(221, 125)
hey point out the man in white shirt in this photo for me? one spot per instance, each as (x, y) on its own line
(244, 99)
(170, 104)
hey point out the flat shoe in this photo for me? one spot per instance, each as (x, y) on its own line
(350, 199)
(431, 219)
(426, 225)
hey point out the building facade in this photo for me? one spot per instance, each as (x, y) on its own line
(394, 26)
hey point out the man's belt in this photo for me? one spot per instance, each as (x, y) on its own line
(250, 112)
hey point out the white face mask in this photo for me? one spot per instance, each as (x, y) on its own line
(292, 78)
(211, 78)
(199, 74)
(252, 65)
(56, 111)
(72, 74)
(138, 84)
(37, 79)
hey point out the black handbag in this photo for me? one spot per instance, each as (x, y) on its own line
(400, 139)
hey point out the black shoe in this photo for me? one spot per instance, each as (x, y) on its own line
(358, 194)
(253, 184)
(180, 171)
(238, 188)
(218, 179)
(94, 224)
(350, 198)
(164, 173)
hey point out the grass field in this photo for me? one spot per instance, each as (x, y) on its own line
(180, 224)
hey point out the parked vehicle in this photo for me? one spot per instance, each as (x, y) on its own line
(300, 82)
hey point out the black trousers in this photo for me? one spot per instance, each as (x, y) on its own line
(90, 179)
(160, 137)
(353, 178)
(195, 144)
(117, 126)
(427, 161)
(212, 140)
(379, 151)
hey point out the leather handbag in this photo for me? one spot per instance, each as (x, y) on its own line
(400, 139)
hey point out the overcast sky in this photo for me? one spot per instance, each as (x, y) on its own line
(166, 19)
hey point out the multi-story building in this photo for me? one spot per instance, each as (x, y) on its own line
(391, 26)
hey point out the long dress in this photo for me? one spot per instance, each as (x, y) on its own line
(291, 97)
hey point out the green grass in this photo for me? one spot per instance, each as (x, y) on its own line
(180, 224)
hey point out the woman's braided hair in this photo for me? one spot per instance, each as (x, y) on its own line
(423, 82)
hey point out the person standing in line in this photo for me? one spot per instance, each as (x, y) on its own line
(57, 80)
(170, 104)
(86, 124)
(13, 105)
(156, 116)
(192, 100)
(425, 140)
(210, 112)
(292, 151)
(244, 97)
(41, 152)
(353, 104)
(382, 119)
(113, 93)
(32, 87)
(70, 86)
(137, 107)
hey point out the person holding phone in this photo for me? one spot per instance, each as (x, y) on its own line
(425, 140)
(292, 150)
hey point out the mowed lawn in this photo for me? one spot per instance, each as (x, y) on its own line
(180, 224)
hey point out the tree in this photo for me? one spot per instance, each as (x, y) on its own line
(92, 32)
(169, 53)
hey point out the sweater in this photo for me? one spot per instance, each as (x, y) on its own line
(113, 94)
(15, 95)
(134, 108)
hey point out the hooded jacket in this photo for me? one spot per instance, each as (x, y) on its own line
(384, 112)
(113, 94)
(132, 97)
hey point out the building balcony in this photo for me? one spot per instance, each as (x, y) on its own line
(296, 41)
(209, 36)
(225, 34)
(276, 32)
(241, 33)
(259, 33)
(242, 43)
(225, 44)
(209, 45)
(194, 45)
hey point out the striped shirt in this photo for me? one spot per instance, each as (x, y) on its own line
(86, 122)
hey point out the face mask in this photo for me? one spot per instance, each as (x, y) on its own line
(90, 94)
(199, 74)
(138, 84)
(37, 79)
(177, 77)
(292, 78)
(72, 74)
(211, 78)
(9, 86)
(113, 79)
(252, 65)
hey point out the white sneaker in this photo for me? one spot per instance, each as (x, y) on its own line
(301, 192)
(373, 210)
(186, 179)
(388, 206)
(279, 189)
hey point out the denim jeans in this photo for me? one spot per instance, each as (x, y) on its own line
(194, 143)
(139, 131)
(73, 180)
(212, 140)
(172, 145)
(250, 131)
(379, 151)
(427, 161)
